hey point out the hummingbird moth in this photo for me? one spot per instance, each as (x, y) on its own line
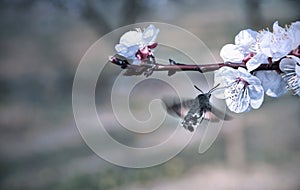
(194, 111)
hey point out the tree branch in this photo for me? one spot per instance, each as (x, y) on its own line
(173, 67)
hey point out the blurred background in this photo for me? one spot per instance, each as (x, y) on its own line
(42, 43)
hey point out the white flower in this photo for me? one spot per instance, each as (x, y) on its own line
(240, 89)
(255, 48)
(272, 82)
(244, 44)
(275, 45)
(263, 50)
(246, 40)
(137, 45)
(291, 68)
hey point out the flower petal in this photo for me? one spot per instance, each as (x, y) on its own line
(281, 44)
(131, 38)
(237, 98)
(296, 59)
(242, 72)
(245, 75)
(277, 44)
(287, 65)
(246, 40)
(297, 70)
(150, 34)
(272, 83)
(225, 76)
(231, 53)
(294, 32)
(121, 49)
(218, 79)
(256, 94)
(264, 43)
(242, 90)
(256, 61)
(126, 51)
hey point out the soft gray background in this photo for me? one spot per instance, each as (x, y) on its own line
(42, 43)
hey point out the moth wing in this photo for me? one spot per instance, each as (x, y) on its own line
(215, 115)
(210, 116)
(177, 108)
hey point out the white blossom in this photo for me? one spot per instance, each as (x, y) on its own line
(137, 45)
(255, 48)
(245, 42)
(275, 45)
(241, 90)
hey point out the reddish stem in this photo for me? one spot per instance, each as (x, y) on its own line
(174, 67)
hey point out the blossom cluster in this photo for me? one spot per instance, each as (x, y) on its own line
(137, 46)
(244, 88)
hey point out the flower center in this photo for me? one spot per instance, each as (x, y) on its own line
(248, 57)
(296, 52)
(237, 90)
(243, 81)
(144, 52)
